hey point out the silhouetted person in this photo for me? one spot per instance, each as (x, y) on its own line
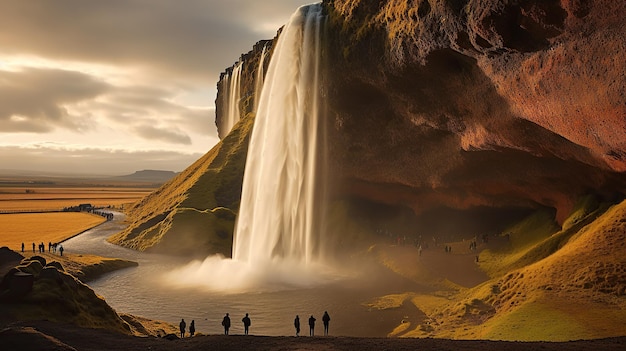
(182, 326)
(61, 249)
(49, 246)
(226, 324)
(22, 247)
(311, 325)
(192, 328)
(33, 247)
(326, 320)
(296, 324)
(246, 324)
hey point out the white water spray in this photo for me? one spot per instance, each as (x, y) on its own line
(233, 96)
(260, 75)
(278, 235)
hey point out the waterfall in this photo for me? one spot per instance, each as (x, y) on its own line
(279, 232)
(278, 216)
(233, 83)
(259, 79)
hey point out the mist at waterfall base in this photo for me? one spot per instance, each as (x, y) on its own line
(277, 241)
(228, 276)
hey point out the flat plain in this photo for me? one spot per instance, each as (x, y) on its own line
(30, 210)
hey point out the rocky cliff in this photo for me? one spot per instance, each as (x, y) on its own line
(467, 108)
(478, 103)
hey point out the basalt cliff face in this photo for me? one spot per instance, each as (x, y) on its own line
(477, 103)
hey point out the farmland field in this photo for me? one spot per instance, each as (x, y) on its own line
(35, 228)
(56, 198)
(49, 226)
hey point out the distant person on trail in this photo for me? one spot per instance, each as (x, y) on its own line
(192, 328)
(226, 324)
(182, 326)
(61, 249)
(49, 246)
(296, 324)
(246, 324)
(326, 320)
(311, 325)
(33, 247)
(22, 247)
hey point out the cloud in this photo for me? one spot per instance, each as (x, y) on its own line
(34, 100)
(120, 74)
(192, 38)
(59, 158)
(167, 135)
(43, 100)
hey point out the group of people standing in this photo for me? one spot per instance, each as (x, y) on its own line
(245, 320)
(183, 327)
(246, 325)
(52, 248)
(325, 320)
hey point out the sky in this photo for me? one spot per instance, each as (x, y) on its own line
(116, 86)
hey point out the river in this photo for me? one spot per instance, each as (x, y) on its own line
(144, 291)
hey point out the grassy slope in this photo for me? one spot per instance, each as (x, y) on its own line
(59, 298)
(548, 285)
(67, 300)
(194, 213)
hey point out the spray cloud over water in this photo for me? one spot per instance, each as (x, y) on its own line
(278, 237)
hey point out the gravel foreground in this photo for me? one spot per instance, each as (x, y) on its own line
(44, 335)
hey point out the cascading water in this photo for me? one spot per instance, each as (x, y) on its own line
(232, 99)
(260, 74)
(278, 202)
(278, 236)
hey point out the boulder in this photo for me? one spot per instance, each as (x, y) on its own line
(21, 284)
(50, 273)
(56, 265)
(7, 255)
(32, 267)
(41, 260)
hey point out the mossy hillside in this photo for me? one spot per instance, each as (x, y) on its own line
(195, 211)
(59, 297)
(539, 236)
(519, 240)
(534, 321)
(558, 297)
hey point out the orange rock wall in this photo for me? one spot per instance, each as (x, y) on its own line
(479, 102)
